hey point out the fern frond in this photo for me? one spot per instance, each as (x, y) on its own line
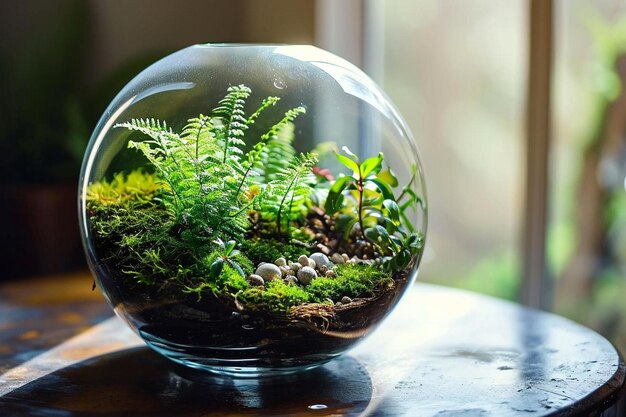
(234, 123)
(160, 151)
(279, 151)
(268, 102)
(291, 187)
(199, 133)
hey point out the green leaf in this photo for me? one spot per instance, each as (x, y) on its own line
(393, 210)
(372, 165)
(230, 245)
(237, 267)
(383, 187)
(395, 240)
(372, 234)
(349, 163)
(382, 232)
(350, 226)
(402, 259)
(216, 268)
(390, 226)
(335, 196)
(389, 177)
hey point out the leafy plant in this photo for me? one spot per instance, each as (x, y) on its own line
(381, 220)
(219, 203)
(209, 174)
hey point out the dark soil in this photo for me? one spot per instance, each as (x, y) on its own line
(219, 330)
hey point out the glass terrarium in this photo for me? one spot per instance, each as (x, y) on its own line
(252, 209)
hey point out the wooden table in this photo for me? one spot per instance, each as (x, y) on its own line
(442, 353)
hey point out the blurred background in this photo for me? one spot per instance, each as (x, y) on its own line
(459, 73)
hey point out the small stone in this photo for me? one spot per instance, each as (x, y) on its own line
(291, 280)
(345, 257)
(338, 304)
(306, 275)
(317, 223)
(256, 280)
(312, 263)
(280, 262)
(320, 259)
(337, 259)
(295, 267)
(303, 260)
(323, 269)
(346, 300)
(323, 248)
(285, 270)
(268, 271)
(330, 274)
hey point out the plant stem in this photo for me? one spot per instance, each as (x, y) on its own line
(360, 190)
(402, 194)
(280, 207)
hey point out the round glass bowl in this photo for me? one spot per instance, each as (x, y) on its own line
(252, 209)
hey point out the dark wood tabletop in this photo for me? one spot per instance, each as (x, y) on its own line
(441, 353)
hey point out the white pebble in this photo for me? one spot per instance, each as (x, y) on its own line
(306, 275)
(303, 260)
(268, 272)
(320, 259)
(256, 280)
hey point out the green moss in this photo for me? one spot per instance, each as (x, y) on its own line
(230, 280)
(135, 188)
(268, 250)
(278, 297)
(351, 280)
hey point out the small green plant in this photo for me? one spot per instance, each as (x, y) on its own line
(375, 209)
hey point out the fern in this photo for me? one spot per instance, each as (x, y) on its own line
(289, 192)
(268, 102)
(233, 122)
(199, 134)
(209, 177)
(161, 151)
(279, 152)
(257, 157)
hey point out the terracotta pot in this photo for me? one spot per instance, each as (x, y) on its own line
(39, 230)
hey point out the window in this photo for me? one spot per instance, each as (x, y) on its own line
(458, 73)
